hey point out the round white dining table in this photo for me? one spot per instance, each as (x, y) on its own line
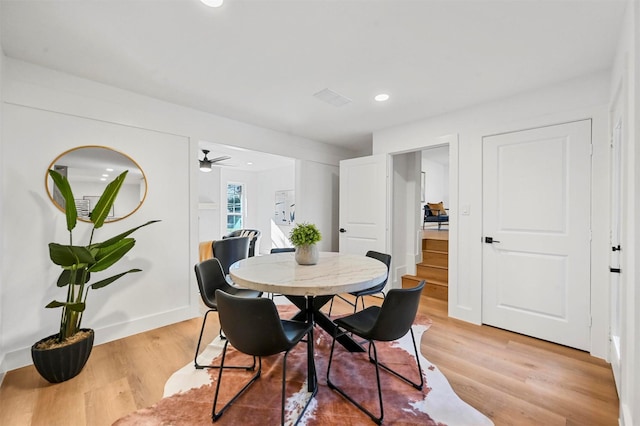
(333, 274)
(309, 287)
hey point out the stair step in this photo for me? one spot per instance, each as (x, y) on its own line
(432, 273)
(435, 245)
(431, 289)
(435, 258)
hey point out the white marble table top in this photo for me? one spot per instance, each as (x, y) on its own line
(334, 273)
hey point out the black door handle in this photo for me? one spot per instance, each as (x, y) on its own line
(617, 248)
(343, 230)
(615, 270)
(490, 240)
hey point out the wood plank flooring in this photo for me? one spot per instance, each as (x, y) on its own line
(513, 379)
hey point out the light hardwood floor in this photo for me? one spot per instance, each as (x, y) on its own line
(513, 379)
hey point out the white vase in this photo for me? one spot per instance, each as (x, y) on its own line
(307, 254)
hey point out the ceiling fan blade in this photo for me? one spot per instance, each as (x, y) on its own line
(221, 158)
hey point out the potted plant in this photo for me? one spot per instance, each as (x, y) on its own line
(62, 356)
(304, 237)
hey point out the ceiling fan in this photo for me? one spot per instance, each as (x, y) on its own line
(206, 163)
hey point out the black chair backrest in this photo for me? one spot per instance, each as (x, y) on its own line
(253, 235)
(230, 250)
(283, 250)
(384, 258)
(252, 325)
(397, 313)
(210, 278)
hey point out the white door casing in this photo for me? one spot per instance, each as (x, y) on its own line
(363, 204)
(616, 282)
(536, 208)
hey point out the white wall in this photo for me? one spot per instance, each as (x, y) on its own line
(407, 221)
(626, 70)
(209, 205)
(2, 317)
(281, 179)
(31, 221)
(47, 112)
(436, 180)
(577, 99)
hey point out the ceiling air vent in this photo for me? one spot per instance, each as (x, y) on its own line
(332, 98)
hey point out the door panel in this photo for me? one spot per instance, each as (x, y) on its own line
(363, 204)
(536, 204)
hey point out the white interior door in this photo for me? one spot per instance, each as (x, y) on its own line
(616, 281)
(536, 224)
(363, 204)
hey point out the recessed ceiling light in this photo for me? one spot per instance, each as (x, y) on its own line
(105, 175)
(249, 163)
(109, 169)
(213, 3)
(381, 97)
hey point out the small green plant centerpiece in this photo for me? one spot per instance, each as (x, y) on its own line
(54, 356)
(304, 237)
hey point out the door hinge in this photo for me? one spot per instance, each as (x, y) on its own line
(590, 321)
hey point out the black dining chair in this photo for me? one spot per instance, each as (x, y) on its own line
(253, 327)
(378, 288)
(210, 277)
(384, 323)
(230, 250)
(283, 250)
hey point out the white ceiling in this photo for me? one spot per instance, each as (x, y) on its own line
(261, 61)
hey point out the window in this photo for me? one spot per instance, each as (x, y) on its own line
(235, 206)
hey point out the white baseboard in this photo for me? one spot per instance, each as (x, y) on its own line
(22, 357)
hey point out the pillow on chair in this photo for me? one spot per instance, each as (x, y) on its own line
(437, 209)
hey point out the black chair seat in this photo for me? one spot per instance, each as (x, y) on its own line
(361, 322)
(294, 330)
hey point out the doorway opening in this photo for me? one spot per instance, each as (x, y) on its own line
(241, 191)
(432, 236)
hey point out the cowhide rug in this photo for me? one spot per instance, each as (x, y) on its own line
(189, 392)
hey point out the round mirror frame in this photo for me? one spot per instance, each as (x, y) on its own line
(48, 183)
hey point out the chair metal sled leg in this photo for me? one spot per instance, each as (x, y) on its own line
(195, 357)
(331, 385)
(395, 373)
(215, 416)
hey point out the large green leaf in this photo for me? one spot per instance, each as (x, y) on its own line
(65, 278)
(107, 281)
(108, 197)
(119, 237)
(107, 256)
(77, 307)
(62, 183)
(69, 256)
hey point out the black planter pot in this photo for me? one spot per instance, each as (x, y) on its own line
(63, 363)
